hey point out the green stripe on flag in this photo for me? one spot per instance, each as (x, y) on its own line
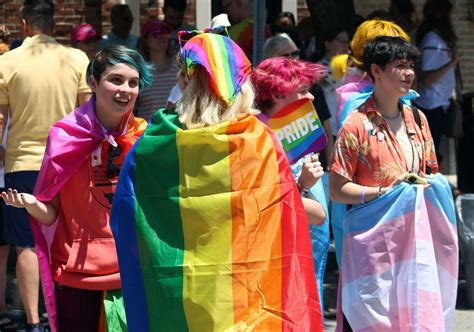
(159, 231)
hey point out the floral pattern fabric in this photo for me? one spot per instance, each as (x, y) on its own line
(368, 153)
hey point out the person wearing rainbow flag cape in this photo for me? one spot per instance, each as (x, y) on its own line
(399, 259)
(210, 229)
(73, 196)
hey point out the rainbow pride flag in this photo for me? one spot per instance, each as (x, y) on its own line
(211, 233)
(400, 260)
(299, 129)
(226, 63)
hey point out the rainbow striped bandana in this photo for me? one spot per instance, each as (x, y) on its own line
(224, 60)
(211, 233)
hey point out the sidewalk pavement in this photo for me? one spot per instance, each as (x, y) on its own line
(463, 322)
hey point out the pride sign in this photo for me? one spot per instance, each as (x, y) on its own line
(299, 129)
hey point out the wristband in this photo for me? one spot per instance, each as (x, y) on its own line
(379, 191)
(304, 192)
(362, 195)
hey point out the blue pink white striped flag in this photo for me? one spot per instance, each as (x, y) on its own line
(400, 260)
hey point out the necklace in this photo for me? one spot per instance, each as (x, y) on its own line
(411, 146)
(392, 117)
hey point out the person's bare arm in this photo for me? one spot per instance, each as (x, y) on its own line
(311, 172)
(344, 191)
(314, 211)
(428, 77)
(83, 97)
(44, 213)
(3, 125)
(330, 144)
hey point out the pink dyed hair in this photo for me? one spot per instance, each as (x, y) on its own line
(280, 77)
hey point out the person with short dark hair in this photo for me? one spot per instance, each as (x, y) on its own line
(389, 61)
(379, 144)
(121, 19)
(174, 12)
(70, 208)
(40, 82)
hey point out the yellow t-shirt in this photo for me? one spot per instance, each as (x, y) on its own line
(40, 82)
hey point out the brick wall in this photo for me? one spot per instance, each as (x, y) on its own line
(68, 14)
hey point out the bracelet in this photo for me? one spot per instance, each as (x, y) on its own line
(362, 195)
(379, 191)
(304, 192)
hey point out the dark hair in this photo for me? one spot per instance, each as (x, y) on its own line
(383, 50)
(39, 14)
(436, 17)
(328, 36)
(115, 54)
(380, 14)
(178, 5)
(118, 10)
(287, 15)
(404, 7)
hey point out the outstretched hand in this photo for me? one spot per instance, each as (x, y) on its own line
(19, 200)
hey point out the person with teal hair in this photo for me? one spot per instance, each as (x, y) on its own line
(70, 206)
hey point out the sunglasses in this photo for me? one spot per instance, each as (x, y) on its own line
(293, 54)
(112, 169)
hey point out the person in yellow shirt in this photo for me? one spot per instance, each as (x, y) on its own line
(40, 82)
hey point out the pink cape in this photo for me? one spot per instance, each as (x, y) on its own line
(70, 141)
(352, 84)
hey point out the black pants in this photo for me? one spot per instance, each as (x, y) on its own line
(78, 310)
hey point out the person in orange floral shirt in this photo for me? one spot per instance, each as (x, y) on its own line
(381, 142)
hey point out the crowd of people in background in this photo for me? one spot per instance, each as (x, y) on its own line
(361, 83)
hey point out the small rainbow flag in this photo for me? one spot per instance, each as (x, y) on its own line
(224, 60)
(299, 129)
(400, 260)
(211, 233)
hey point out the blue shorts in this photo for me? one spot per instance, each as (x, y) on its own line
(17, 230)
(2, 224)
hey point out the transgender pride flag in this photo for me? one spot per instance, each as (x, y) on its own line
(400, 260)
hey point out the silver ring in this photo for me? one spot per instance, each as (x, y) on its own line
(312, 159)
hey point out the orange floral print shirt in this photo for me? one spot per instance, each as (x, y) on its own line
(366, 151)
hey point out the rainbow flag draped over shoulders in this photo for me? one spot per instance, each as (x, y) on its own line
(211, 233)
(400, 260)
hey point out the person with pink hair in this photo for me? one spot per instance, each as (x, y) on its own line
(277, 82)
